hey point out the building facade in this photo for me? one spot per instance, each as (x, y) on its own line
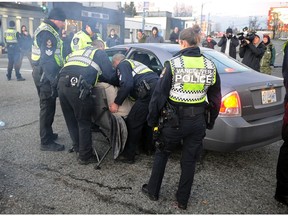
(32, 14)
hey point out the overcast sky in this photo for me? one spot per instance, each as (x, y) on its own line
(221, 7)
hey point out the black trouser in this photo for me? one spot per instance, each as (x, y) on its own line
(192, 131)
(77, 114)
(47, 106)
(137, 124)
(14, 60)
(282, 171)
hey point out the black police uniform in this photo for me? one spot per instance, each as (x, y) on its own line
(44, 74)
(78, 112)
(187, 123)
(14, 56)
(136, 119)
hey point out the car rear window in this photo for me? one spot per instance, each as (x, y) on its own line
(223, 63)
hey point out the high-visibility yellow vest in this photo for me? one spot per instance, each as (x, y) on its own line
(36, 52)
(10, 36)
(80, 41)
(191, 77)
(138, 67)
(84, 58)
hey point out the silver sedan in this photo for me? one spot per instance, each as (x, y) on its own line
(252, 103)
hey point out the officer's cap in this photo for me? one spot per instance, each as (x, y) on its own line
(57, 14)
(92, 24)
(12, 24)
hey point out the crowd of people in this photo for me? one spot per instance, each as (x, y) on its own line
(166, 111)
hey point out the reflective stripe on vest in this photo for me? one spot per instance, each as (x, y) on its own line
(80, 41)
(36, 52)
(191, 77)
(83, 58)
(10, 36)
(138, 67)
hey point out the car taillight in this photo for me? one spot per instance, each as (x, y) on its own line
(230, 105)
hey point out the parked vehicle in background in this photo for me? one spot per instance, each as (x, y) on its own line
(252, 103)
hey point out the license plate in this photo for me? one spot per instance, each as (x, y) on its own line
(268, 96)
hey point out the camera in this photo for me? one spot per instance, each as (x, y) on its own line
(246, 35)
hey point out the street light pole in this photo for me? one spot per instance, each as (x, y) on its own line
(201, 15)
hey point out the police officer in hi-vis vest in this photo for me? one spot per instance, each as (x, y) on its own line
(177, 109)
(11, 37)
(85, 37)
(47, 59)
(84, 68)
(137, 81)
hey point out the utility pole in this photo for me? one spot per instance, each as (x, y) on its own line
(208, 25)
(201, 15)
(145, 6)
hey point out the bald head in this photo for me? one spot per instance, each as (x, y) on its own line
(98, 44)
(117, 58)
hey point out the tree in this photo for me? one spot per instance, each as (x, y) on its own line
(253, 23)
(182, 10)
(130, 9)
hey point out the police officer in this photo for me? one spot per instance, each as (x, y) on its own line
(180, 95)
(48, 60)
(77, 77)
(137, 81)
(85, 37)
(11, 37)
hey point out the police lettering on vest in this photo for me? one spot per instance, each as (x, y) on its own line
(191, 77)
(194, 75)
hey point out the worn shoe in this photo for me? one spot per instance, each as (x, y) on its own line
(282, 199)
(54, 136)
(181, 206)
(21, 79)
(8, 78)
(71, 150)
(146, 193)
(52, 146)
(90, 160)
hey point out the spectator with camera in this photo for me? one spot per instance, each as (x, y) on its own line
(252, 50)
(228, 43)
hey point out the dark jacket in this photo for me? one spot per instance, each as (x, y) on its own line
(89, 73)
(252, 55)
(110, 42)
(234, 42)
(210, 44)
(48, 44)
(25, 43)
(285, 68)
(128, 83)
(173, 37)
(162, 90)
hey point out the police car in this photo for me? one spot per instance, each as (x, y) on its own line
(252, 103)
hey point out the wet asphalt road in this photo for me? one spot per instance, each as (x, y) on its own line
(35, 182)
